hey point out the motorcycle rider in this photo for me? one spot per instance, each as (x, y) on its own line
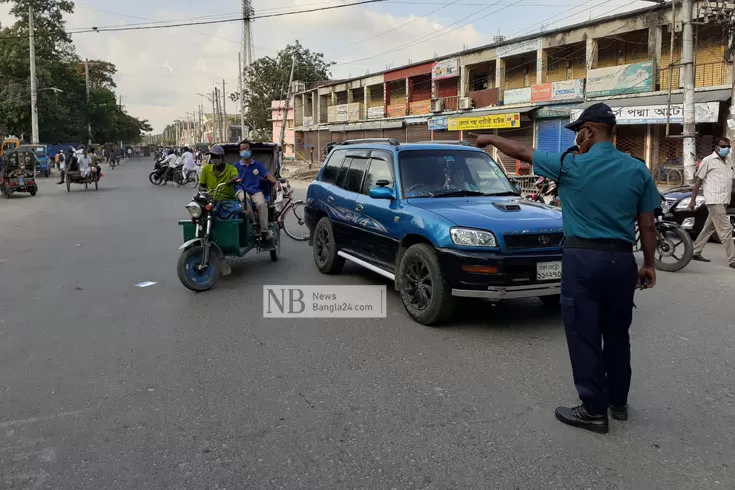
(251, 172)
(220, 172)
(170, 163)
(189, 163)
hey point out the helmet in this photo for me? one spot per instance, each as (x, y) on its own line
(217, 150)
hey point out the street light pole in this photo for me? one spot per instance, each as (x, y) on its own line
(34, 82)
(687, 61)
(89, 116)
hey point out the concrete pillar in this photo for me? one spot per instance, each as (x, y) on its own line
(349, 96)
(648, 157)
(334, 97)
(409, 93)
(386, 96)
(318, 108)
(591, 49)
(541, 65)
(655, 35)
(366, 97)
(315, 106)
(500, 77)
(464, 81)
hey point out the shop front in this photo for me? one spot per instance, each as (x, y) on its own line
(513, 124)
(641, 125)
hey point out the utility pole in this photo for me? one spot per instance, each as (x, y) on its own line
(242, 96)
(687, 62)
(34, 82)
(215, 115)
(287, 108)
(225, 122)
(247, 55)
(89, 115)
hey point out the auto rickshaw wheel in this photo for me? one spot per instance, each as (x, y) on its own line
(276, 252)
(190, 274)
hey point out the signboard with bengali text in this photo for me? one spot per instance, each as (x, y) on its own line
(705, 112)
(445, 69)
(376, 112)
(517, 96)
(616, 80)
(493, 121)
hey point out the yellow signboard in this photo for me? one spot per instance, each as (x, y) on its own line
(494, 121)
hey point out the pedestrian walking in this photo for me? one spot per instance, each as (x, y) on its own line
(603, 192)
(716, 176)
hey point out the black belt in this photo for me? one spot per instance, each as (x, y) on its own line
(619, 246)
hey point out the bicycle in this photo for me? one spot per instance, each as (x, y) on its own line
(671, 172)
(287, 207)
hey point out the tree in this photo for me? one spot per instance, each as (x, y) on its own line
(266, 80)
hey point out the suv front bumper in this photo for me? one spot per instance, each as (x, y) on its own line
(515, 275)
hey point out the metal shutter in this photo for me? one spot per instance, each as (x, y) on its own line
(567, 136)
(547, 134)
(631, 139)
(396, 133)
(523, 135)
(417, 133)
(373, 133)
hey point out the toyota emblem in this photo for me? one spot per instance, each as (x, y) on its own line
(543, 240)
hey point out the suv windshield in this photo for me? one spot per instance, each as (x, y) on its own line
(446, 173)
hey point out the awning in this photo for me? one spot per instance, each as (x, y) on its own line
(497, 110)
(703, 96)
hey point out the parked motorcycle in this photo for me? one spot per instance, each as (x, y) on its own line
(546, 192)
(675, 247)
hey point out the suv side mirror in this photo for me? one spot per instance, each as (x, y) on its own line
(382, 192)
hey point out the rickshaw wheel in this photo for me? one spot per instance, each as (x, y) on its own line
(276, 252)
(33, 191)
(190, 277)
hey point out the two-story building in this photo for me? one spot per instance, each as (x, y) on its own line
(528, 88)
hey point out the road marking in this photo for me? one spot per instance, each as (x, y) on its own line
(33, 420)
(145, 284)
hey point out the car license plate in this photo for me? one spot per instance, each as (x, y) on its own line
(546, 271)
(20, 181)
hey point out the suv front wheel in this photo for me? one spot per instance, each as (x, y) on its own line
(423, 289)
(325, 248)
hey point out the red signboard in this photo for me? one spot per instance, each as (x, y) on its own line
(419, 108)
(541, 92)
(396, 110)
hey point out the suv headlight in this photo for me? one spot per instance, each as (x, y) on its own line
(468, 237)
(684, 204)
(195, 210)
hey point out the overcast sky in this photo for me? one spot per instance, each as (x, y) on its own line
(161, 71)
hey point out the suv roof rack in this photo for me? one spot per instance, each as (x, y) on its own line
(447, 142)
(391, 141)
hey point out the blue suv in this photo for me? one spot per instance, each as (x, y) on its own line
(442, 221)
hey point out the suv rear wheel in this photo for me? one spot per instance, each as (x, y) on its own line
(423, 289)
(325, 248)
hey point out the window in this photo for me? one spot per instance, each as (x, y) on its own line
(350, 178)
(379, 170)
(333, 166)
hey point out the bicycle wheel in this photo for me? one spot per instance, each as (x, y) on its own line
(675, 177)
(193, 180)
(293, 223)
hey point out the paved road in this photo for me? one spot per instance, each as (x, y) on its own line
(104, 385)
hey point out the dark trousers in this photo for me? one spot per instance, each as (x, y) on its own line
(597, 307)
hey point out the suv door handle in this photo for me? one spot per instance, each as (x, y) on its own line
(359, 208)
(330, 198)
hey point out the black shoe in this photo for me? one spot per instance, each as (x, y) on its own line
(699, 258)
(619, 413)
(59, 183)
(580, 417)
(732, 266)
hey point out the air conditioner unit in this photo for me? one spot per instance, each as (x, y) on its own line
(437, 105)
(465, 103)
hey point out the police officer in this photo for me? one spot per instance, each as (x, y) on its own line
(603, 192)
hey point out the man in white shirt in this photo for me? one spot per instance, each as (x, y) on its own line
(189, 164)
(62, 166)
(85, 164)
(716, 174)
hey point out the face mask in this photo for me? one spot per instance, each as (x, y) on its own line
(724, 152)
(246, 154)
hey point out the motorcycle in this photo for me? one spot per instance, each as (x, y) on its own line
(545, 188)
(159, 171)
(192, 178)
(675, 247)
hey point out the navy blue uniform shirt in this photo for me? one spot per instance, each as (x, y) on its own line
(601, 191)
(250, 176)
